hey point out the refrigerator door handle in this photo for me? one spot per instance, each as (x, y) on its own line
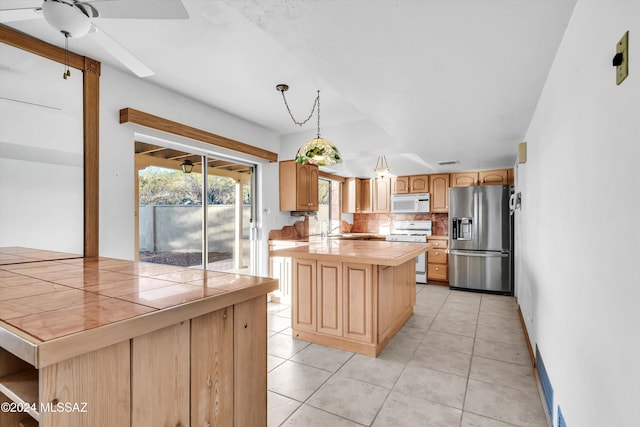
(479, 254)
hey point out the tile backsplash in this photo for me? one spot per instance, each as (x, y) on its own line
(381, 222)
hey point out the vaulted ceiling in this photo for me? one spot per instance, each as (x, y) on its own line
(421, 81)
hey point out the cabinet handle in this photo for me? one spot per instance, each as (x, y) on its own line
(437, 269)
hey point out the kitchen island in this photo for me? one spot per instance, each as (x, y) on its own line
(351, 294)
(100, 341)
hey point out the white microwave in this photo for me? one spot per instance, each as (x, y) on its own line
(410, 203)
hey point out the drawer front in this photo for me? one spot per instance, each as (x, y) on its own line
(437, 243)
(438, 256)
(437, 271)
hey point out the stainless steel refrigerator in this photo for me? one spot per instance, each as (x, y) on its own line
(481, 239)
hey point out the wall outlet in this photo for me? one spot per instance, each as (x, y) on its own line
(621, 59)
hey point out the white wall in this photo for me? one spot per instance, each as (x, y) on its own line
(118, 91)
(41, 176)
(578, 254)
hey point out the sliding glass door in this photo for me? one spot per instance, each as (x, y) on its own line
(195, 210)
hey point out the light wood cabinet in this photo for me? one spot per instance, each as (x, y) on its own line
(303, 302)
(209, 370)
(438, 259)
(304, 197)
(358, 302)
(464, 179)
(493, 177)
(419, 184)
(356, 196)
(400, 185)
(334, 303)
(381, 195)
(330, 298)
(366, 196)
(483, 177)
(410, 184)
(439, 189)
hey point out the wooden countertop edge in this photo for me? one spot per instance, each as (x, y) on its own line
(392, 262)
(45, 353)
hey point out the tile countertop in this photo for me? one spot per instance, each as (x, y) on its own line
(51, 301)
(362, 251)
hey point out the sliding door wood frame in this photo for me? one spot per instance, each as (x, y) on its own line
(91, 122)
(130, 115)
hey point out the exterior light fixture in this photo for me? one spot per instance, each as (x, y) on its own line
(317, 151)
(187, 166)
(382, 167)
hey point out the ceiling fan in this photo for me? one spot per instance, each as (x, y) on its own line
(74, 18)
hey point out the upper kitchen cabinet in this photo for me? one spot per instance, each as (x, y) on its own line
(493, 177)
(304, 197)
(410, 184)
(357, 195)
(381, 195)
(484, 177)
(352, 195)
(464, 179)
(400, 185)
(439, 190)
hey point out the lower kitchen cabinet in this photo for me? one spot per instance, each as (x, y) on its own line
(438, 259)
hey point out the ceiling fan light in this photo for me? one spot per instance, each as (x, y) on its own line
(66, 18)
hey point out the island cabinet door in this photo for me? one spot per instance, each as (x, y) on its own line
(161, 399)
(303, 307)
(330, 297)
(99, 379)
(357, 286)
(212, 359)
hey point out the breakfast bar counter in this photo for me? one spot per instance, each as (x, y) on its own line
(115, 342)
(350, 294)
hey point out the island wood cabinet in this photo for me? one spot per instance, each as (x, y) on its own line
(352, 306)
(209, 370)
(410, 184)
(439, 189)
(333, 298)
(304, 196)
(438, 259)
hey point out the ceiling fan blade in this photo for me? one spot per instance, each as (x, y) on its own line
(10, 15)
(120, 53)
(140, 9)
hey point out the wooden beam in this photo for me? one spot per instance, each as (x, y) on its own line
(91, 121)
(331, 176)
(31, 44)
(130, 115)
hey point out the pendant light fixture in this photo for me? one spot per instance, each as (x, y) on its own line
(317, 151)
(382, 167)
(187, 166)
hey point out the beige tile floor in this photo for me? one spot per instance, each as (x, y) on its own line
(460, 361)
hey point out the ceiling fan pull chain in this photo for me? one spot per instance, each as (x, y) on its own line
(66, 73)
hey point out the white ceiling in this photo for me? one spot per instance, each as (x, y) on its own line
(421, 81)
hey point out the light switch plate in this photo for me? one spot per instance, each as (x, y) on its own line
(622, 70)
